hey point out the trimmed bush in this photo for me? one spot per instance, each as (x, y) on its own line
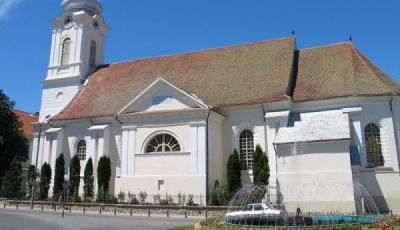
(88, 181)
(220, 195)
(233, 172)
(13, 180)
(59, 177)
(104, 173)
(74, 178)
(260, 167)
(45, 179)
(31, 179)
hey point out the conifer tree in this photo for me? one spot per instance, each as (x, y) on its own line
(104, 174)
(59, 177)
(45, 179)
(74, 178)
(88, 181)
(13, 180)
(233, 172)
(260, 167)
(31, 179)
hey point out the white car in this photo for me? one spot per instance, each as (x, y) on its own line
(254, 211)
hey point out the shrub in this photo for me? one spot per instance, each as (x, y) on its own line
(143, 196)
(181, 199)
(59, 177)
(105, 197)
(74, 178)
(45, 179)
(132, 198)
(260, 167)
(121, 196)
(88, 181)
(31, 179)
(156, 199)
(104, 173)
(233, 172)
(190, 201)
(13, 180)
(220, 195)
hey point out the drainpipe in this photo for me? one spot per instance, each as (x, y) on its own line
(207, 152)
(395, 130)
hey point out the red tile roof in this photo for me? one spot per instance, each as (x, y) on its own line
(235, 75)
(339, 70)
(246, 74)
(26, 120)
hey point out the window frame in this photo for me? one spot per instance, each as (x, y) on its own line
(66, 53)
(81, 150)
(246, 149)
(162, 142)
(373, 151)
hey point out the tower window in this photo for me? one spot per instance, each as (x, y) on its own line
(92, 58)
(373, 145)
(66, 50)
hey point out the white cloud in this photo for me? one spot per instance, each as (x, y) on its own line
(5, 7)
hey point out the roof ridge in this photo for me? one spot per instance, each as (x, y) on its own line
(326, 45)
(203, 50)
(363, 61)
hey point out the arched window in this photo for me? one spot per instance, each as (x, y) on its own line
(246, 144)
(373, 145)
(163, 143)
(81, 150)
(66, 50)
(92, 58)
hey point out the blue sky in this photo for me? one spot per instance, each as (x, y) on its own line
(143, 28)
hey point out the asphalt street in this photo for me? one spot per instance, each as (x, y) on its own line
(37, 220)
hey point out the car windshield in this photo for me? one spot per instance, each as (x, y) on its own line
(258, 207)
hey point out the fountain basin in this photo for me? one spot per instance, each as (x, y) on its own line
(341, 219)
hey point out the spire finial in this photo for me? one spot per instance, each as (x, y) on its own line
(350, 38)
(292, 32)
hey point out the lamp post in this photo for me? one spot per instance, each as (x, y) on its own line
(37, 156)
(63, 196)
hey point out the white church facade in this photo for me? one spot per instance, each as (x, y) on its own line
(327, 117)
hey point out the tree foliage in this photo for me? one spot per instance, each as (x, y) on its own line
(88, 181)
(104, 173)
(13, 180)
(45, 179)
(74, 178)
(220, 194)
(233, 172)
(59, 177)
(31, 179)
(13, 144)
(260, 167)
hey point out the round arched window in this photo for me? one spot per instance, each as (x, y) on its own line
(163, 143)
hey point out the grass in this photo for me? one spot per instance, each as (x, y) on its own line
(182, 228)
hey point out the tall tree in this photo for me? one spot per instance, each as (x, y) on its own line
(260, 167)
(88, 181)
(74, 178)
(233, 172)
(13, 180)
(59, 177)
(104, 173)
(45, 179)
(13, 144)
(31, 179)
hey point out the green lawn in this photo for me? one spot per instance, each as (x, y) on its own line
(182, 228)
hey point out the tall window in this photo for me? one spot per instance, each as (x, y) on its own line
(66, 50)
(246, 142)
(373, 145)
(92, 58)
(81, 150)
(163, 143)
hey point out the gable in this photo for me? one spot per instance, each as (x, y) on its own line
(162, 96)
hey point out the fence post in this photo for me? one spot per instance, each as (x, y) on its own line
(70, 208)
(84, 208)
(206, 213)
(16, 205)
(115, 211)
(167, 213)
(5, 204)
(185, 213)
(148, 213)
(130, 211)
(62, 214)
(55, 207)
(42, 207)
(100, 209)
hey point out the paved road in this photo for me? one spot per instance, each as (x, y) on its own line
(11, 219)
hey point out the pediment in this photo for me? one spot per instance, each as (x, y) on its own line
(161, 95)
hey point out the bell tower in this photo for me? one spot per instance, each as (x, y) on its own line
(77, 48)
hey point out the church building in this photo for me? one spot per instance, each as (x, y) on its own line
(327, 117)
